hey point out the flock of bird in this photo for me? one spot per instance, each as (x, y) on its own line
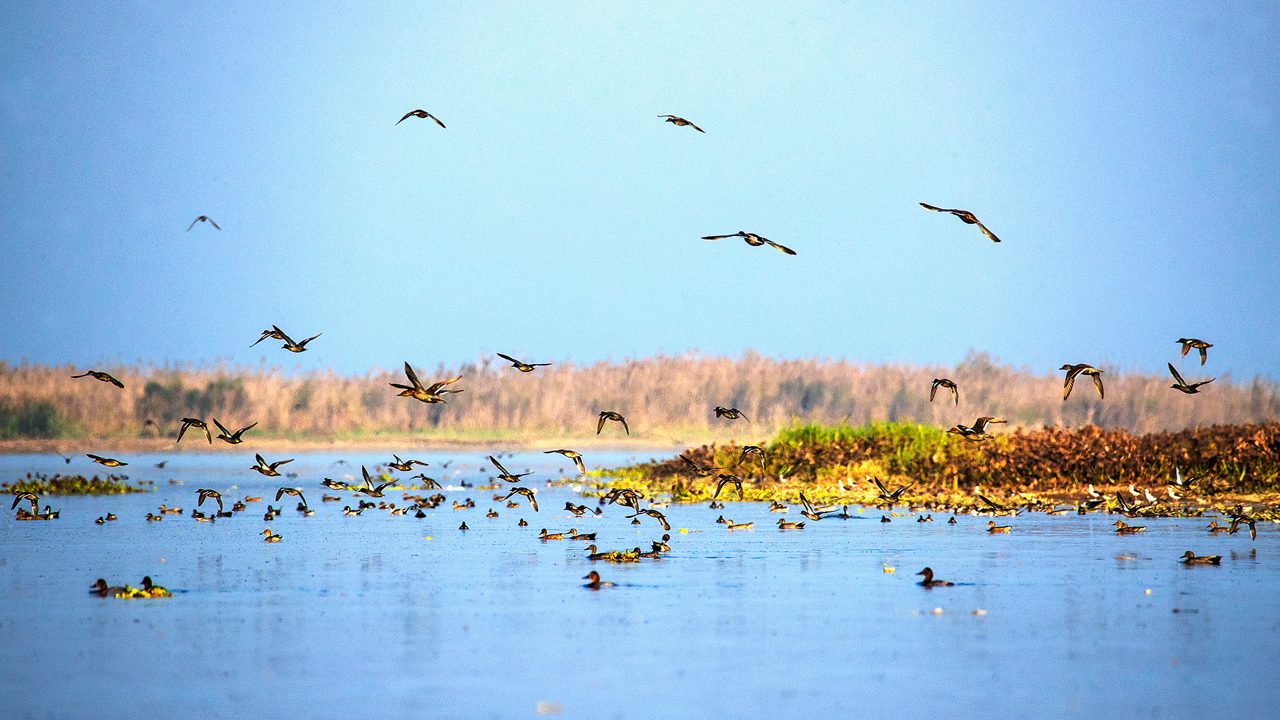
(374, 486)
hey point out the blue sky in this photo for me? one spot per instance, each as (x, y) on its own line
(1129, 157)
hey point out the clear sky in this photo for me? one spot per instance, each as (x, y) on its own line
(1128, 154)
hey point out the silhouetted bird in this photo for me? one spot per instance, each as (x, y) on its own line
(203, 218)
(233, 438)
(194, 423)
(522, 366)
(944, 383)
(753, 240)
(106, 461)
(611, 415)
(966, 216)
(504, 474)
(1183, 386)
(98, 375)
(730, 413)
(1202, 346)
(422, 114)
(681, 122)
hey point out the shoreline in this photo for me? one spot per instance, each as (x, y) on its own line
(160, 446)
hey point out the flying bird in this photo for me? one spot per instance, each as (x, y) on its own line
(206, 494)
(573, 455)
(232, 438)
(203, 218)
(748, 450)
(98, 375)
(944, 383)
(420, 113)
(1202, 346)
(527, 492)
(966, 216)
(106, 461)
(730, 413)
(753, 240)
(194, 423)
(1081, 369)
(655, 514)
(268, 469)
(504, 474)
(430, 394)
(611, 415)
(295, 347)
(274, 332)
(29, 497)
(699, 470)
(369, 488)
(886, 495)
(727, 479)
(523, 367)
(404, 465)
(296, 492)
(979, 429)
(681, 122)
(1183, 386)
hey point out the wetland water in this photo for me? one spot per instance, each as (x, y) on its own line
(367, 616)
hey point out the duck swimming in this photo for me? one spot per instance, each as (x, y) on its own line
(1123, 529)
(595, 582)
(784, 525)
(992, 527)
(1190, 558)
(929, 582)
(270, 536)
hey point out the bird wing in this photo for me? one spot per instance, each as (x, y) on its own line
(433, 117)
(988, 233)
(1097, 380)
(406, 116)
(783, 248)
(193, 224)
(279, 493)
(246, 428)
(284, 336)
(600, 424)
(927, 206)
(1204, 356)
(582, 468)
(182, 430)
(719, 237)
(1176, 376)
(111, 379)
(533, 501)
(221, 428)
(933, 390)
(510, 359)
(413, 377)
(1067, 385)
(215, 225)
(368, 481)
(955, 392)
(435, 387)
(624, 424)
(278, 463)
(498, 465)
(1186, 347)
(695, 127)
(313, 337)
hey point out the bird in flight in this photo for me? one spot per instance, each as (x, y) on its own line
(206, 494)
(699, 470)
(404, 465)
(1081, 369)
(194, 423)
(966, 216)
(979, 430)
(296, 492)
(727, 479)
(1202, 346)
(573, 455)
(731, 413)
(527, 492)
(106, 461)
(681, 122)
(1183, 386)
(203, 218)
(944, 383)
(232, 438)
(522, 366)
(429, 394)
(748, 450)
(885, 495)
(98, 375)
(611, 415)
(295, 347)
(420, 113)
(268, 469)
(506, 475)
(753, 240)
(274, 332)
(369, 488)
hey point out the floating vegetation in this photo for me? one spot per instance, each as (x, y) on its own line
(832, 463)
(59, 484)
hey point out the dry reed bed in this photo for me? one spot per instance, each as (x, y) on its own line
(664, 399)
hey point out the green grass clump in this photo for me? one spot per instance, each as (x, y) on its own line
(42, 484)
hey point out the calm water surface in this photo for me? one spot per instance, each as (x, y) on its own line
(412, 618)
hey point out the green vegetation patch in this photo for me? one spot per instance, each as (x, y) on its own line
(42, 484)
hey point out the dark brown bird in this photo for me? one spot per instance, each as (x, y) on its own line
(29, 497)
(194, 423)
(232, 438)
(889, 498)
(681, 122)
(611, 415)
(572, 455)
(966, 216)
(504, 475)
(430, 394)
(657, 515)
(295, 347)
(404, 465)
(420, 113)
(753, 240)
(749, 450)
(699, 470)
(203, 218)
(730, 413)
(528, 493)
(726, 479)
(979, 430)
(268, 469)
(1202, 346)
(369, 488)
(99, 375)
(274, 332)
(523, 367)
(106, 461)
(291, 491)
(1081, 369)
(206, 494)
(1183, 386)
(944, 383)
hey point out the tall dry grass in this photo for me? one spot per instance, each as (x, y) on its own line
(663, 398)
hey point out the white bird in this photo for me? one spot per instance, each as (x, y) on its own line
(1092, 492)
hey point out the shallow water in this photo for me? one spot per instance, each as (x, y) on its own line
(406, 617)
